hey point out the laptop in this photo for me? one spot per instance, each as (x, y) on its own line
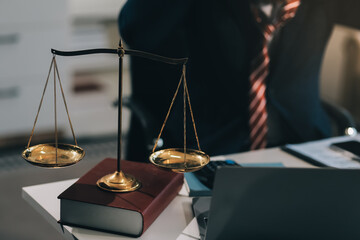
(281, 203)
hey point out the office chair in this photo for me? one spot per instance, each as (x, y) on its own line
(341, 120)
(146, 120)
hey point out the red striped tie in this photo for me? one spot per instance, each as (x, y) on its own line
(260, 70)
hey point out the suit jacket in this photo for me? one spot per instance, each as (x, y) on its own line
(220, 38)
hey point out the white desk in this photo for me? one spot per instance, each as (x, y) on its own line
(171, 222)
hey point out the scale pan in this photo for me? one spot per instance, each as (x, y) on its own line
(174, 159)
(44, 155)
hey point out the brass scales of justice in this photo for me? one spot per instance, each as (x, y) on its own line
(56, 155)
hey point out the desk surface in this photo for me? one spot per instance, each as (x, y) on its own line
(171, 222)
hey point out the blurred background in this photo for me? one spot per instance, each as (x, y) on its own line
(28, 30)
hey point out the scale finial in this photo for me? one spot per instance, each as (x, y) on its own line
(121, 50)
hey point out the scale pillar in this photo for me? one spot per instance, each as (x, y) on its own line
(119, 181)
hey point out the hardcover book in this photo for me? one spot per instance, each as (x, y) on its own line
(84, 204)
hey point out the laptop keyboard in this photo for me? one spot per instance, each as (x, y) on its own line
(206, 175)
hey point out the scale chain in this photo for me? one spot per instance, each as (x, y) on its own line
(56, 74)
(186, 92)
(65, 104)
(55, 111)
(191, 113)
(184, 97)
(41, 101)
(168, 113)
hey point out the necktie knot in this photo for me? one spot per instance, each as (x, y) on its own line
(281, 12)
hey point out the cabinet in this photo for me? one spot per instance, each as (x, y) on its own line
(28, 29)
(94, 78)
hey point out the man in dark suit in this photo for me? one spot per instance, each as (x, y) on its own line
(221, 39)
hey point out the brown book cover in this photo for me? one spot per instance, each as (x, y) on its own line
(86, 205)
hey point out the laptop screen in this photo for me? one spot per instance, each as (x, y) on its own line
(285, 203)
